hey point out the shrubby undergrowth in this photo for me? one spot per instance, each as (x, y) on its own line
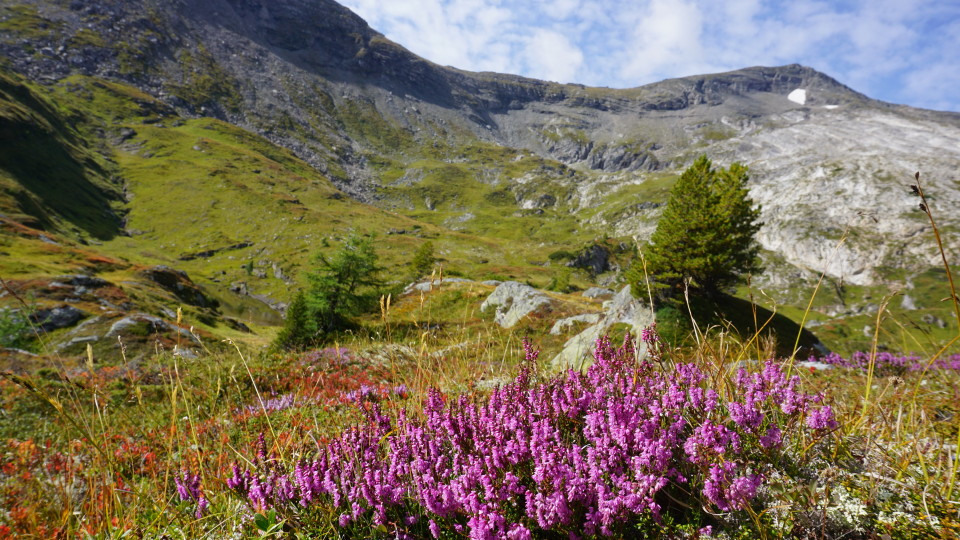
(672, 443)
(626, 448)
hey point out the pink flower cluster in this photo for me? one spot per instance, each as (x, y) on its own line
(189, 489)
(581, 454)
(886, 363)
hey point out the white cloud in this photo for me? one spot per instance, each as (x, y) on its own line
(561, 9)
(551, 56)
(666, 39)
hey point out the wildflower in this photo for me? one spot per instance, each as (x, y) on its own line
(591, 452)
(822, 419)
(188, 488)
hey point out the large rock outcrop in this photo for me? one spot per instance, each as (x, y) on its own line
(622, 309)
(513, 301)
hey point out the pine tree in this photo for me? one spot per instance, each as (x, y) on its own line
(707, 229)
(299, 327)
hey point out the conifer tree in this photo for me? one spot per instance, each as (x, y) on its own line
(299, 327)
(707, 229)
(344, 285)
(423, 260)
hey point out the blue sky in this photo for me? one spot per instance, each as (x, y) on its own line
(899, 51)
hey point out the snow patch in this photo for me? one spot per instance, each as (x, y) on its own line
(830, 106)
(798, 96)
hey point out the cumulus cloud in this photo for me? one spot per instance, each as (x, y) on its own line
(551, 56)
(666, 40)
(889, 49)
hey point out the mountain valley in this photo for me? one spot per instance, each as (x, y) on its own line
(233, 139)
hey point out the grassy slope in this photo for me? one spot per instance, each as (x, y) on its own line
(49, 175)
(228, 206)
(208, 198)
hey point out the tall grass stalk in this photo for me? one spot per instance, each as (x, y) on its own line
(871, 366)
(925, 207)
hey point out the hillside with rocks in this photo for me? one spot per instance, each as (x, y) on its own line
(491, 158)
(266, 274)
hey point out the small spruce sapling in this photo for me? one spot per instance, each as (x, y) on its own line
(299, 327)
(423, 260)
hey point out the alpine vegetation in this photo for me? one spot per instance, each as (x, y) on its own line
(624, 447)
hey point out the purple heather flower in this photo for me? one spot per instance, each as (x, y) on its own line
(710, 440)
(649, 335)
(822, 419)
(261, 448)
(202, 504)
(588, 452)
(773, 438)
(188, 488)
(728, 492)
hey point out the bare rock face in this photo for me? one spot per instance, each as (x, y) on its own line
(844, 174)
(595, 259)
(513, 301)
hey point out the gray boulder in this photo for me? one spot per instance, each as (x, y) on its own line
(813, 364)
(597, 292)
(127, 324)
(562, 325)
(626, 309)
(56, 318)
(514, 301)
(622, 309)
(429, 285)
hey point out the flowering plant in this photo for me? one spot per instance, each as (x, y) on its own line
(581, 454)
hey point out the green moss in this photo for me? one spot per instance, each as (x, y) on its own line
(363, 121)
(23, 21)
(109, 102)
(715, 133)
(204, 82)
(86, 37)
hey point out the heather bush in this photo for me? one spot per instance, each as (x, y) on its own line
(889, 364)
(630, 445)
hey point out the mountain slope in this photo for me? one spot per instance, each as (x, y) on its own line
(515, 158)
(241, 216)
(49, 176)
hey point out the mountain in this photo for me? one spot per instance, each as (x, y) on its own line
(483, 160)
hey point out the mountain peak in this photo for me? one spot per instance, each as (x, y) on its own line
(817, 87)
